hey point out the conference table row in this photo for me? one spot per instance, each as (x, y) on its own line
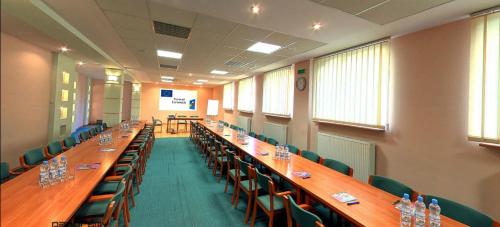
(25, 203)
(375, 206)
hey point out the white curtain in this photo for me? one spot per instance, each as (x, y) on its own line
(246, 95)
(352, 86)
(484, 82)
(228, 98)
(277, 98)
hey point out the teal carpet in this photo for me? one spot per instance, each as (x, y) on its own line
(179, 190)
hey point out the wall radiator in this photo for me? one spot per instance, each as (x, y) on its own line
(244, 122)
(275, 131)
(359, 155)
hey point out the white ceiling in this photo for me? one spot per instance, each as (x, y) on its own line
(221, 30)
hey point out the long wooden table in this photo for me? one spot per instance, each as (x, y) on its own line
(25, 203)
(181, 119)
(376, 206)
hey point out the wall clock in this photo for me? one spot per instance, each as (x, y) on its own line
(301, 83)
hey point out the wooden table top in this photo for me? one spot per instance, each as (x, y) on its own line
(375, 207)
(25, 203)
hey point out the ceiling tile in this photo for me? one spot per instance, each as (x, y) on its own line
(122, 21)
(349, 6)
(397, 9)
(136, 8)
(212, 24)
(280, 39)
(170, 43)
(238, 43)
(249, 33)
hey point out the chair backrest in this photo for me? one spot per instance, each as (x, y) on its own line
(293, 149)
(338, 166)
(34, 156)
(69, 142)
(461, 213)
(54, 148)
(104, 126)
(99, 122)
(389, 185)
(84, 135)
(262, 137)
(244, 166)
(301, 216)
(93, 132)
(226, 124)
(252, 134)
(230, 158)
(310, 155)
(233, 126)
(272, 141)
(99, 128)
(263, 181)
(4, 171)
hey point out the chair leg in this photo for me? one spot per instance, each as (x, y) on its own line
(237, 195)
(247, 214)
(221, 170)
(236, 182)
(227, 182)
(131, 190)
(254, 212)
(271, 219)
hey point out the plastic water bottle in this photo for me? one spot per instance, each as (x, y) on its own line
(287, 153)
(276, 152)
(44, 174)
(434, 212)
(420, 212)
(63, 164)
(282, 152)
(53, 171)
(405, 210)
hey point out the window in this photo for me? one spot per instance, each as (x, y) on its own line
(246, 95)
(352, 86)
(228, 99)
(278, 92)
(484, 81)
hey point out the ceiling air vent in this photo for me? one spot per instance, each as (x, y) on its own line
(171, 30)
(168, 66)
(233, 64)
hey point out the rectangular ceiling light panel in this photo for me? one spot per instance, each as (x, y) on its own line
(169, 54)
(265, 48)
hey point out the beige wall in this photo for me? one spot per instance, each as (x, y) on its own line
(150, 99)
(96, 101)
(25, 86)
(426, 146)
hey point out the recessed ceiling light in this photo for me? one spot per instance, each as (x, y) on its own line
(220, 72)
(255, 9)
(197, 83)
(80, 63)
(64, 49)
(190, 74)
(168, 54)
(202, 81)
(167, 77)
(265, 48)
(317, 26)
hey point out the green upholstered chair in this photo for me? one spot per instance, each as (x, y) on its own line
(32, 158)
(338, 166)
(99, 128)
(4, 172)
(252, 134)
(245, 184)
(272, 141)
(182, 122)
(262, 137)
(157, 122)
(69, 142)
(392, 186)
(310, 155)
(293, 149)
(93, 132)
(220, 159)
(84, 136)
(231, 172)
(300, 214)
(103, 207)
(226, 124)
(234, 127)
(104, 126)
(111, 183)
(267, 198)
(461, 213)
(54, 148)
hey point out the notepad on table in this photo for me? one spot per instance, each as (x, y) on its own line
(108, 149)
(85, 166)
(302, 174)
(344, 197)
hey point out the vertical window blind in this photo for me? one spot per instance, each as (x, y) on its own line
(228, 96)
(484, 81)
(352, 86)
(246, 95)
(277, 97)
